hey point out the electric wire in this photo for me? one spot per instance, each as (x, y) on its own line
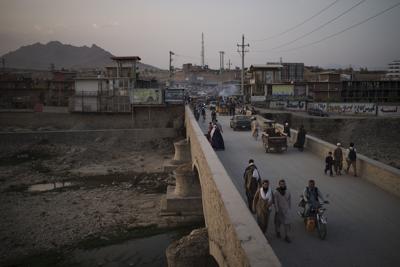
(319, 27)
(298, 25)
(344, 30)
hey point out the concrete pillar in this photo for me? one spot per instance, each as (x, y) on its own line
(182, 151)
(184, 181)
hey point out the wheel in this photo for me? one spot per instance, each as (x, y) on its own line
(322, 231)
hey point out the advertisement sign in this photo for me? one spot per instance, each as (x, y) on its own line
(289, 105)
(346, 108)
(174, 96)
(389, 111)
(352, 108)
(282, 89)
(146, 96)
(296, 105)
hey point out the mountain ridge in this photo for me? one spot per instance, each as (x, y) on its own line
(42, 56)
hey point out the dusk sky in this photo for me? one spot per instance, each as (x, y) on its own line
(151, 28)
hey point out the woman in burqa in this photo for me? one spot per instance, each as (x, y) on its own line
(217, 142)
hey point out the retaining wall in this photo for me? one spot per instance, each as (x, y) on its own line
(234, 236)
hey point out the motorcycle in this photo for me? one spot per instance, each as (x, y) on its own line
(315, 219)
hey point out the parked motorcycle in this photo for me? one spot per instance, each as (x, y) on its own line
(315, 219)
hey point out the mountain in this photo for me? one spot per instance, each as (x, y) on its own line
(41, 56)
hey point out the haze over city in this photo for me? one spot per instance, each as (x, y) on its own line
(274, 29)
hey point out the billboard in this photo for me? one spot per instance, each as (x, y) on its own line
(174, 96)
(146, 96)
(282, 89)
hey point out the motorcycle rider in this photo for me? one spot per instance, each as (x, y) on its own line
(311, 198)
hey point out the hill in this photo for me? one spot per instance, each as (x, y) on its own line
(41, 56)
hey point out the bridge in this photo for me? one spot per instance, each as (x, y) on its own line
(363, 215)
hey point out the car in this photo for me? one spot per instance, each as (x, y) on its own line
(317, 112)
(242, 122)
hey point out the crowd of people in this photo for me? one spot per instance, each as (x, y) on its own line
(263, 201)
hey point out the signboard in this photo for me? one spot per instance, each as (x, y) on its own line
(389, 111)
(296, 105)
(174, 96)
(282, 89)
(289, 105)
(346, 108)
(352, 108)
(146, 96)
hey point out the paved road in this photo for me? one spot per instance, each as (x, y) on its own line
(363, 220)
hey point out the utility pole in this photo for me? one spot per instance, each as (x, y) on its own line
(242, 51)
(229, 64)
(221, 61)
(171, 68)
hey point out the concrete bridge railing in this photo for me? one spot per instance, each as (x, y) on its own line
(234, 236)
(382, 175)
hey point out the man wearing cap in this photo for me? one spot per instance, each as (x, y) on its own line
(338, 159)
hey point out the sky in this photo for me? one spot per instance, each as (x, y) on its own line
(290, 29)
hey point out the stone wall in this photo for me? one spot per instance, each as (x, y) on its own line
(234, 236)
(143, 117)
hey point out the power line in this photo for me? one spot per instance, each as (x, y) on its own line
(298, 25)
(321, 26)
(344, 30)
(316, 29)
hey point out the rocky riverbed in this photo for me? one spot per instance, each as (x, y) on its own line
(55, 197)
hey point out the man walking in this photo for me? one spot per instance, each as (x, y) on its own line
(252, 181)
(282, 200)
(338, 159)
(262, 205)
(352, 159)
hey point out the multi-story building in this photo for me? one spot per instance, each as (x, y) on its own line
(371, 91)
(260, 76)
(393, 72)
(291, 72)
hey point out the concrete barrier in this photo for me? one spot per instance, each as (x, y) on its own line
(382, 175)
(234, 236)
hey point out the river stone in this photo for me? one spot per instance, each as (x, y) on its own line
(190, 250)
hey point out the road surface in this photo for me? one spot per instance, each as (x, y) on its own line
(363, 220)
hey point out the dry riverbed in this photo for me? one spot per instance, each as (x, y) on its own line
(56, 197)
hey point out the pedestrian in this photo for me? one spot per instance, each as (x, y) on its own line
(213, 115)
(338, 159)
(352, 159)
(301, 138)
(282, 202)
(254, 128)
(252, 181)
(329, 163)
(262, 203)
(218, 125)
(217, 142)
(286, 129)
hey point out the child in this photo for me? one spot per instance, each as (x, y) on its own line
(329, 163)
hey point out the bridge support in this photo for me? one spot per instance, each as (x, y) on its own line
(182, 155)
(185, 197)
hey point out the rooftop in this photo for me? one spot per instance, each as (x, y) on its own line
(126, 59)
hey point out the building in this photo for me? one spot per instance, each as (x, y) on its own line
(371, 91)
(291, 72)
(25, 89)
(260, 76)
(393, 72)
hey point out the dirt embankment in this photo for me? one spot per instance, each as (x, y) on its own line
(54, 196)
(376, 138)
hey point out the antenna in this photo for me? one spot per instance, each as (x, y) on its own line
(202, 50)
